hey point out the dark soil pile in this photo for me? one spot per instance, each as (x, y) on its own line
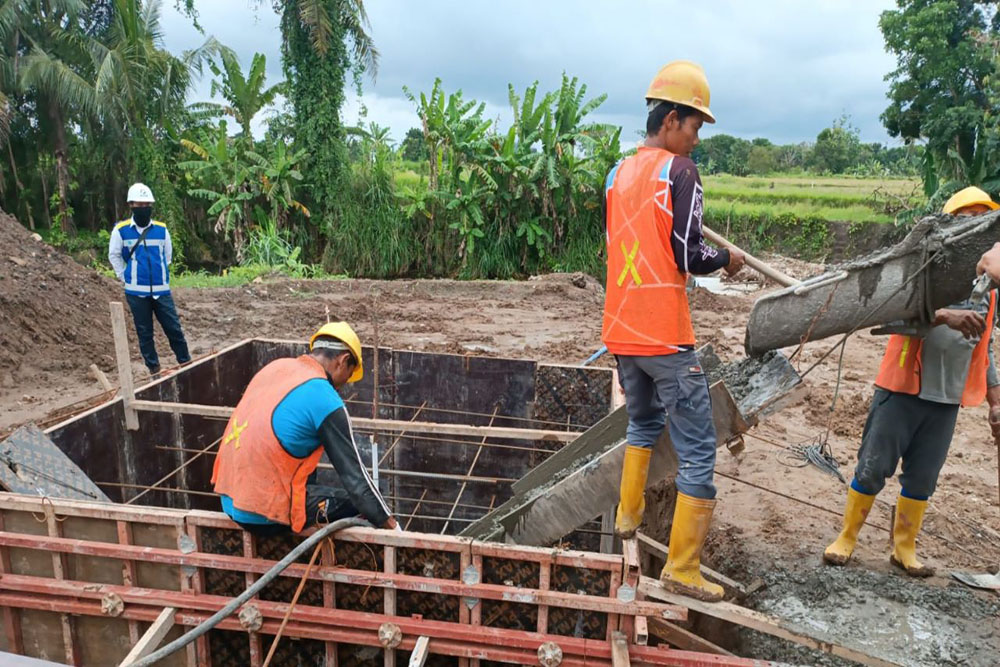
(53, 311)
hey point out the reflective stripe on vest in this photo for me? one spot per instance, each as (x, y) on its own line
(645, 306)
(146, 271)
(252, 467)
(901, 363)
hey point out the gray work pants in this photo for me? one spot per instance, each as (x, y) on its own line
(901, 426)
(674, 385)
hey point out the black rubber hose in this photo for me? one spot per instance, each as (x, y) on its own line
(226, 611)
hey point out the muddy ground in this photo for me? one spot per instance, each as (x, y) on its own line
(757, 534)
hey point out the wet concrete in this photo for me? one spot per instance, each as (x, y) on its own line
(901, 620)
(896, 283)
(756, 383)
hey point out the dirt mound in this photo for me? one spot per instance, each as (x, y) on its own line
(53, 311)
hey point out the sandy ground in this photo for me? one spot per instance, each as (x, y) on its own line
(757, 534)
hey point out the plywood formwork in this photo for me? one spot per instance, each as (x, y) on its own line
(474, 602)
(437, 481)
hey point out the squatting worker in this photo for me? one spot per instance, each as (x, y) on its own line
(653, 210)
(140, 252)
(289, 415)
(922, 381)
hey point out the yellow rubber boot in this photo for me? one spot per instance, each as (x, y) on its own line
(855, 513)
(909, 517)
(632, 500)
(682, 573)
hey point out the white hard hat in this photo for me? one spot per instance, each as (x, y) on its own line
(140, 192)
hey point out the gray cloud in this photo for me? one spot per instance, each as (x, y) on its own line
(782, 69)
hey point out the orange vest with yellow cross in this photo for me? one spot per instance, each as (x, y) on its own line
(901, 363)
(252, 467)
(645, 305)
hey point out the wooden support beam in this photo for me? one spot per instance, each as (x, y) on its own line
(128, 573)
(641, 630)
(256, 646)
(389, 599)
(420, 652)
(152, 637)
(619, 650)
(393, 425)
(11, 616)
(680, 638)
(401, 582)
(124, 364)
(759, 621)
(102, 379)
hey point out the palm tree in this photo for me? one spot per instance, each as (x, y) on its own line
(317, 17)
(143, 87)
(44, 55)
(245, 95)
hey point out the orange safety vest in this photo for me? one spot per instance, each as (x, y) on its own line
(901, 363)
(252, 467)
(645, 304)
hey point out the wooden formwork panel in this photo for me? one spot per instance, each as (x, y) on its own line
(472, 599)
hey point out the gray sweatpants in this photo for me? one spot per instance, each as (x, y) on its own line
(673, 385)
(901, 426)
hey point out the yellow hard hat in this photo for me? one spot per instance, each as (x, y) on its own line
(343, 332)
(970, 196)
(682, 82)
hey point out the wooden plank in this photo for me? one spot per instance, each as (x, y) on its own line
(102, 379)
(389, 599)
(619, 650)
(607, 531)
(761, 622)
(128, 574)
(680, 638)
(394, 425)
(544, 583)
(250, 551)
(151, 639)
(124, 364)
(420, 652)
(630, 578)
(329, 559)
(11, 616)
(641, 631)
(403, 582)
(198, 650)
(661, 550)
(60, 565)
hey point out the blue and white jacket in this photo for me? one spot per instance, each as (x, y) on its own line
(147, 272)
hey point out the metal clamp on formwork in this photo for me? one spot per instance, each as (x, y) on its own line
(389, 635)
(470, 577)
(550, 654)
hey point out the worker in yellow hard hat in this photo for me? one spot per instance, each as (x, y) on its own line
(653, 211)
(289, 415)
(923, 380)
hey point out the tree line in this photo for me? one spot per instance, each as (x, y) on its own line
(91, 100)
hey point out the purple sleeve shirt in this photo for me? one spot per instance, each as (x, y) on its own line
(691, 252)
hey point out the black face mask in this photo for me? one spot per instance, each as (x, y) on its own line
(142, 215)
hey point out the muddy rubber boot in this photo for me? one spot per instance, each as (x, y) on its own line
(632, 499)
(682, 573)
(855, 513)
(909, 517)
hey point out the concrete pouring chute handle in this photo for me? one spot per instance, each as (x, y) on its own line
(819, 281)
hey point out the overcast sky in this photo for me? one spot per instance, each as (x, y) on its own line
(781, 69)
